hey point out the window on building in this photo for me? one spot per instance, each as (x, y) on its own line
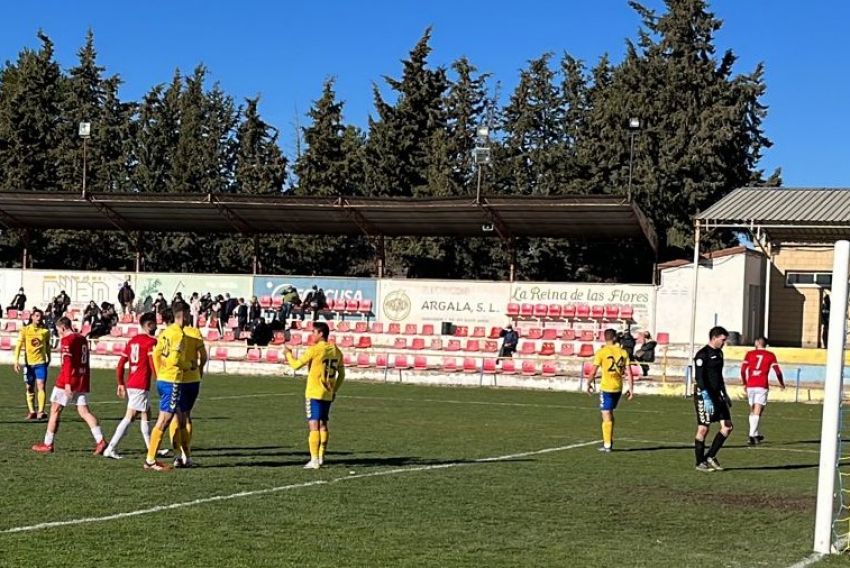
(805, 279)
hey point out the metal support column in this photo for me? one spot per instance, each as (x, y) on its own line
(512, 265)
(381, 253)
(256, 264)
(694, 288)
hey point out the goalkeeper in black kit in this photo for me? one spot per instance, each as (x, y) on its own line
(711, 401)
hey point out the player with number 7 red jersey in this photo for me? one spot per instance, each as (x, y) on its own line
(136, 389)
(755, 371)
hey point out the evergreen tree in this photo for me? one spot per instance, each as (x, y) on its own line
(321, 167)
(260, 166)
(156, 137)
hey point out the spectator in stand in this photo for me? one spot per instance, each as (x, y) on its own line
(206, 303)
(241, 312)
(255, 312)
(195, 308)
(315, 301)
(290, 302)
(217, 311)
(646, 353)
(57, 308)
(178, 297)
(104, 324)
(160, 305)
(510, 339)
(229, 307)
(91, 314)
(627, 342)
(126, 297)
(19, 302)
(262, 334)
(147, 304)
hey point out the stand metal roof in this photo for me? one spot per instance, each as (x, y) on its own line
(581, 216)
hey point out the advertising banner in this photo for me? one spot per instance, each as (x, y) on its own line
(335, 288)
(41, 286)
(149, 284)
(10, 282)
(460, 302)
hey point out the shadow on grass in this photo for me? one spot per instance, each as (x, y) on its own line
(654, 448)
(787, 467)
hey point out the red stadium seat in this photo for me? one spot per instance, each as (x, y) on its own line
(308, 326)
(490, 365)
(202, 321)
(491, 346)
(377, 327)
(587, 369)
(550, 333)
(513, 309)
(365, 307)
(115, 332)
(526, 310)
(636, 371)
(420, 363)
(529, 368)
(534, 333)
(363, 361)
(332, 305)
(586, 335)
(411, 329)
(549, 369)
(101, 348)
(540, 310)
(436, 344)
(567, 350)
(612, 311)
(569, 335)
(381, 361)
(427, 329)
(277, 302)
(352, 306)
(586, 350)
(131, 332)
(663, 338)
(597, 312)
(600, 335)
(229, 336)
(393, 329)
(272, 356)
(528, 348)
(508, 367)
(470, 365)
(254, 355)
(265, 302)
(472, 346)
(220, 353)
(400, 343)
(449, 364)
(418, 344)
(213, 335)
(311, 340)
(232, 322)
(548, 348)
(495, 333)
(11, 326)
(347, 341)
(627, 312)
(5, 343)
(343, 327)
(12, 314)
(25, 315)
(461, 331)
(364, 342)
(453, 345)
(295, 339)
(479, 332)
(554, 311)
(583, 311)
(401, 362)
(349, 360)
(127, 318)
(331, 325)
(568, 311)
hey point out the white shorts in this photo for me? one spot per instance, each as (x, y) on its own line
(757, 395)
(138, 400)
(58, 396)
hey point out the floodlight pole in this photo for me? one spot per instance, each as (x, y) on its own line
(84, 131)
(634, 126)
(832, 399)
(694, 288)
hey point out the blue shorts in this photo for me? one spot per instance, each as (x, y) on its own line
(608, 400)
(177, 396)
(318, 409)
(33, 373)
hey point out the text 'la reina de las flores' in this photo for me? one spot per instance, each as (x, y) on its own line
(617, 295)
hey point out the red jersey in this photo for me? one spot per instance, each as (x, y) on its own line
(138, 352)
(756, 367)
(74, 349)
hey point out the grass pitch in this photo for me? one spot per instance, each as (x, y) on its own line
(433, 504)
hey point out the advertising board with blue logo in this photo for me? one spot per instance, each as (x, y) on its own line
(335, 288)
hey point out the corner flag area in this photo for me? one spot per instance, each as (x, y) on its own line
(414, 476)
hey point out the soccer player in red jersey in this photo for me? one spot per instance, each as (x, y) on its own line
(755, 371)
(137, 387)
(72, 387)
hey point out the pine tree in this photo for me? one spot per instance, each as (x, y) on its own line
(260, 165)
(321, 167)
(156, 137)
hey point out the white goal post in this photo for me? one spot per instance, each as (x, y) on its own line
(827, 497)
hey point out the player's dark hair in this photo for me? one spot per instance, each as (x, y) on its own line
(36, 311)
(610, 335)
(147, 317)
(179, 308)
(717, 331)
(168, 316)
(761, 339)
(322, 328)
(64, 322)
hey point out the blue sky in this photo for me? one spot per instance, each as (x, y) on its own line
(284, 50)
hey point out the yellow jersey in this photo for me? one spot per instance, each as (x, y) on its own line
(193, 375)
(176, 355)
(612, 361)
(326, 370)
(36, 344)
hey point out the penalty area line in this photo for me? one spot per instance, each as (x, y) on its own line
(277, 489)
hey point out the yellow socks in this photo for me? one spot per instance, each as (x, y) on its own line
(42, 396)
(323, 443)
(156, 440)
(187, 434)
(607, 433)
(314, 444)
(172, 433)
(31, 402)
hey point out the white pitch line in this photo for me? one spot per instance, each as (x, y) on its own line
(121, 401)
(204, 500)
(816, 557)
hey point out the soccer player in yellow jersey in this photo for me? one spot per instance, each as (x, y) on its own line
(614, 362)
(176, 359)
(323, 381)
(34, 341)
(190, 376)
